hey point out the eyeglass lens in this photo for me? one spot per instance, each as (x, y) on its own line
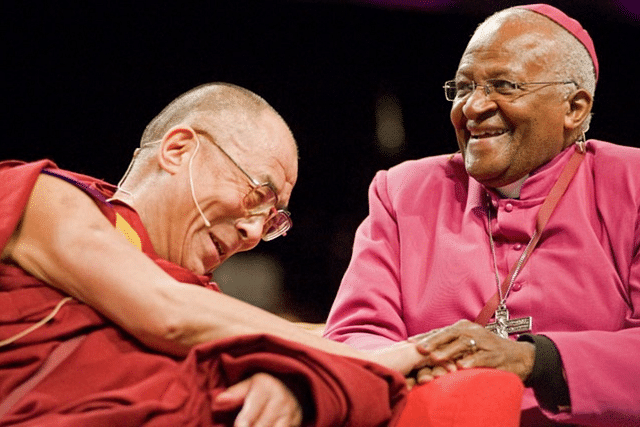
(276, 226)
(262, 199)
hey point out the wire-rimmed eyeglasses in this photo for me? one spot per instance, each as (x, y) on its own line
(262, 199)
(456, 90)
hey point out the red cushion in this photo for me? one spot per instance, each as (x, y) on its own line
(469, 398)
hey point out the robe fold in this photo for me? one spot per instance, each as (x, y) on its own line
(111, 379)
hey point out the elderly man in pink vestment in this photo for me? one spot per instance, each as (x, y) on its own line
(521, 252)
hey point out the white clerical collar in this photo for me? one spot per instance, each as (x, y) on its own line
(512, 191)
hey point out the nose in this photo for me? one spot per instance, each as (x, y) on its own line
(477, 103)
(251, 229)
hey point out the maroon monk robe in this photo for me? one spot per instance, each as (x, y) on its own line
(111, 379)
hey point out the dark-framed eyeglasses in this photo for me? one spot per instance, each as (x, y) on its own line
(261, 200)
(493, 88)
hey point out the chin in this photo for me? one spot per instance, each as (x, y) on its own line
(211, 269)
(488, 178)
(485, 168)
(196, 266)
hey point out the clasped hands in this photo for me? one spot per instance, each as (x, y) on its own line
(463, 345)
(266, 401)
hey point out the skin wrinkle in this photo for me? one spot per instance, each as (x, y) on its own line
(513, 137)
(132, 291)
(531, 139)
(263, 146)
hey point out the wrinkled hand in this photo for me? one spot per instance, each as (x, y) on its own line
(265, 400)
(452, 348)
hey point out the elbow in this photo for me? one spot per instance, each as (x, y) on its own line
(169, 329)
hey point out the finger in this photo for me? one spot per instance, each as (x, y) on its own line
(269, 403)
(424, 375)
(285, 409)
(287, 416)
(429, 343)
(439, 371)
(251, 409)
(422, 337)
(233, 396)
(450, 333)
(470, 361)
(454, 350)
(487, 354)
(439, 337)
(283, 422)
(410, 382)
(276, 412)
(502, 354)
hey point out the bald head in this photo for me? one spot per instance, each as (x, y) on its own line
(236, 118)
(211, 101)
(198, 160)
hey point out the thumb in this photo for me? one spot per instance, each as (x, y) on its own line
(232, 397)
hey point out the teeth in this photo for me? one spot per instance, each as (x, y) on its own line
(487, 133)
(217, 245)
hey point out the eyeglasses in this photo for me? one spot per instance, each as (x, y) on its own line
(493, 88)
(262, 200)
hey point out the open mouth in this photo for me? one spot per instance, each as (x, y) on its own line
(487, 134)
(218, 245)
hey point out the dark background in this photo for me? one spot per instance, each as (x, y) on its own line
(82, 79)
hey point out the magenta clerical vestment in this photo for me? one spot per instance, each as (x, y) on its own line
(422, 260)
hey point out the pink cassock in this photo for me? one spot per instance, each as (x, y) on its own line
(422, 260)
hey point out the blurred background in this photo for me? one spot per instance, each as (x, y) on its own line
(359, 82)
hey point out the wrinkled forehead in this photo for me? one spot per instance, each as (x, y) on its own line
(267, 137)
(264, 147)
(278, 156)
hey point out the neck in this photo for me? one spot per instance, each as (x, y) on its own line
(512, 191)
(135, 192)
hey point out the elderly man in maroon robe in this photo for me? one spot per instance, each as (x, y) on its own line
(107, 314)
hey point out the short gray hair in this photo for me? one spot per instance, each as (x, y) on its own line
(574, 62)
(212, 99)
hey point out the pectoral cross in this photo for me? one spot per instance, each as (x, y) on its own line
(504, 327)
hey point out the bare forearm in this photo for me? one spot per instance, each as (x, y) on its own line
(67, 242)
(205, 315)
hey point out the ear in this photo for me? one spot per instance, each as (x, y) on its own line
(580, 103)
(175, 148)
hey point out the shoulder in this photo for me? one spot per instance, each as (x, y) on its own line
(19, 169)
(423, 179)
(607, 153)
(615, 163)
(413, 175)
(616, 175)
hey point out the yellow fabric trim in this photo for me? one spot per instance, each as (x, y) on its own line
(123, 226)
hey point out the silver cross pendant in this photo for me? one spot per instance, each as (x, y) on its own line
(504, 327)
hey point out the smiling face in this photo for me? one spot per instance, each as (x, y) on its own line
(265, 149)
(503, 140)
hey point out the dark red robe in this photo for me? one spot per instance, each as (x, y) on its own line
(110, 379)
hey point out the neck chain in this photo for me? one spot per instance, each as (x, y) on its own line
(496, 307)
(519, 264)
(503, 326)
